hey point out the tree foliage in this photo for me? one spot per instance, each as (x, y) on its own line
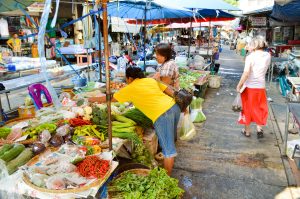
(232, 2)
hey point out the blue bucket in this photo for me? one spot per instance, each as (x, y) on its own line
(79, 81)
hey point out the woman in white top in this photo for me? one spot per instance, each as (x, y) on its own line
(252, 87)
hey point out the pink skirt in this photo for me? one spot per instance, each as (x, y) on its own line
(254, 106)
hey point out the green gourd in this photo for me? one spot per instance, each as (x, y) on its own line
(4, 148)
(12, 153)
(22, 159)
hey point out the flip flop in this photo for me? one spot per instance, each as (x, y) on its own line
(260, 134)
(245, 134)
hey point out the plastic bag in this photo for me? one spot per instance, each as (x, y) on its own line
(186, 127)
(237, 103)
(197, 114)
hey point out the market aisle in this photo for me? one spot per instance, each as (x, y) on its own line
(220, 162)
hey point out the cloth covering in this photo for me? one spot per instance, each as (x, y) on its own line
(255, 107)
(147, 95)
(4, 28)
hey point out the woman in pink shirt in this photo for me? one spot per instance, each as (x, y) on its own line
(252, 87)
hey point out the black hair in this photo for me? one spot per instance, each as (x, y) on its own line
(164, 50)
(134, 72)
(126, 52)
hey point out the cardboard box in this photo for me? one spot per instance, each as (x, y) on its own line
(150, 140)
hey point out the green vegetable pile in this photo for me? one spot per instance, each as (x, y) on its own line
(139, 117)
(141, 154)
(188, 78)
(4, 132)
(99, 115)
(157, 185)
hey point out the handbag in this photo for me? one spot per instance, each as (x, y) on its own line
(183, 98)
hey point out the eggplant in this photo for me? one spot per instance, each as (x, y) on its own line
(56, 140)
(38, 148)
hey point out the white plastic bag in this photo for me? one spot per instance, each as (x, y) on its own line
(186, 127)
(237, 103)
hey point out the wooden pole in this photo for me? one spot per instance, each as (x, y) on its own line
(190, 39)
(100, 48)
(145, 34)
(107, 71)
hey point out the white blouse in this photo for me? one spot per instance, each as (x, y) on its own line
(257, 63)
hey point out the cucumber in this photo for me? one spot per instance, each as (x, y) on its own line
(22, 159)
(12, 153)
(5, 148)
(123, 119)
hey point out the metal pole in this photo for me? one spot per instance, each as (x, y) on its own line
(145, 33)
(100, 50)
(107, 71)
(190, 35)
(209, 30)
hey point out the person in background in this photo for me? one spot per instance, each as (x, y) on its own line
(153, 99)
(173, 51)
(15, 44)
(252, 87)
(168, 71)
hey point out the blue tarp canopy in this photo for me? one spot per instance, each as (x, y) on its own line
(289, 12)
(215, 13)
(11, 5)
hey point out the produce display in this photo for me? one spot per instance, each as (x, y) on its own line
(66, 168)
(63, 149)
(155, 185)
(117, 85)
(187, 78)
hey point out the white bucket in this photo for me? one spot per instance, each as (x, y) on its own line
(214, 81)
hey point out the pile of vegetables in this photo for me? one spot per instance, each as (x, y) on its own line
(4, 132)
(89, 130)
(34, 131)
(139, 117)
(156, 185)
(78, 122)
(93, 167)
(188, 78)
(15, 156)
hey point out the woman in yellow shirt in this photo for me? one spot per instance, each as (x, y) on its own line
(15, 44)
(153, 99)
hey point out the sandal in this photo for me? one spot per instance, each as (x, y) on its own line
(245, 133)
(260, 134)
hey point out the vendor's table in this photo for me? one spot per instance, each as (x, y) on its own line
(295, 81)
(294, 110)
(23, 82)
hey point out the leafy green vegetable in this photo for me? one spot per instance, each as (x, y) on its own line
(157, 185)
(139, 117)
(4, 132)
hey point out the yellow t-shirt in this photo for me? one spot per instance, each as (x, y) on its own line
(16, 43)
(147, 95)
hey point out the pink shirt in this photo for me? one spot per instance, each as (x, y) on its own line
(257, 63)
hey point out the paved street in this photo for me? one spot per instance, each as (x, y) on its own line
(219, 162)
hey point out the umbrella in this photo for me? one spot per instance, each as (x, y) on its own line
(145, 10)
(206, 15)
(142, 9)
(289, 12)
(200, 4)
(11, 5)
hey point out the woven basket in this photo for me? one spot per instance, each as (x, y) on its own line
(214, 81)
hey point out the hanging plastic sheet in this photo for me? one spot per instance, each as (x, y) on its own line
(41, 49)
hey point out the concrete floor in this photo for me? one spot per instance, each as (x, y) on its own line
(219, 162)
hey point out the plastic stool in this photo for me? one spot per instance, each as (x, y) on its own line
(36, 91)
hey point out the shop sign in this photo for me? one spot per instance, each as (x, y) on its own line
(36, 7)
(259, 21)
